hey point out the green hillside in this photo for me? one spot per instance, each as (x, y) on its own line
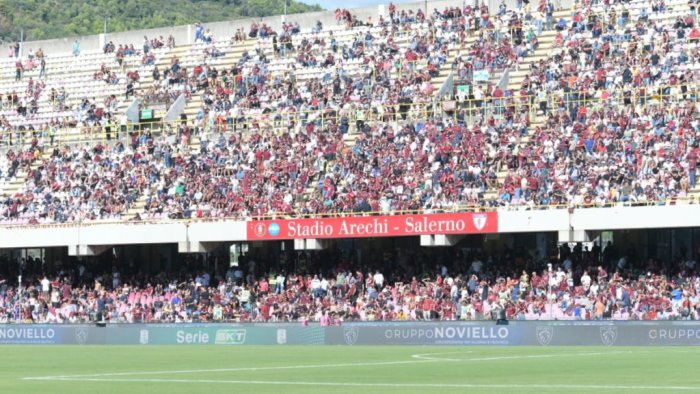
(44, 19)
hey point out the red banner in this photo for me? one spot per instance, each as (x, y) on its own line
(374, 226)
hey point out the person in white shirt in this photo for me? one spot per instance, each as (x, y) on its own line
(561, 275)
(55, 298)
(585, 281)
(378, 280)
(316, 286)
(324, 286)
(594, 289)
(45, 283)
(279, 283)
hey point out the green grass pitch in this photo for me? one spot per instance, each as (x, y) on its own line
(318, 369)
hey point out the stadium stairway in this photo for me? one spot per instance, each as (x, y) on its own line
(75, 137)
(186, 54)
(147, 81)
(230, 58)
(76, 75)
(445, 70)
(545, 47)
(14, 184)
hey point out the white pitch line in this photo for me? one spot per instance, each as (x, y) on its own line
(312, 366)
(242, 369)
(427, 356)
(394, 385)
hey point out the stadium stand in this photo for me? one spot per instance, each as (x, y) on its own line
(382, 95)
(462, 109)
(581, 288)
(603, 110)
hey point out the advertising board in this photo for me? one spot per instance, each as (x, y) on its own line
(531, 333)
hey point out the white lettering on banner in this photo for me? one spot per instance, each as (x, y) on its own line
(448, 332)
(426, 226)
(199, 337)
(27, 333)
(375, 228)
(672, 334)
(318, 229)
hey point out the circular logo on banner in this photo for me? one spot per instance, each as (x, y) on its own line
(259, 230)
(274, 229)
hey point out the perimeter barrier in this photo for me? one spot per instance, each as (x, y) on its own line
(515, 333)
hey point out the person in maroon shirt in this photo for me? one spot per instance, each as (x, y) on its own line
(692, 158)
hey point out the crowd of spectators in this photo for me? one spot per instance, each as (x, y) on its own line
(580, 286)
(237, 176)
(263, 163)
(434, 165)
(44, 100)
(229, 176)
(76, 183)
(344, 78)
(420, 165)
(617, 119)
(617, 102)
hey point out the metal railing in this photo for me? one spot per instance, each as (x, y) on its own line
(459, 208)
(472, 108)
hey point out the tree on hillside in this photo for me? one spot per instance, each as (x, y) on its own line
(45, 19)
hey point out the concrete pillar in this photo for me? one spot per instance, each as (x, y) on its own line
(434, 240)
(87, 250)
(101, 40)
(310, 244)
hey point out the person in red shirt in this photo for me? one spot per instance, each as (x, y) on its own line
(18, 70)
(264, 286)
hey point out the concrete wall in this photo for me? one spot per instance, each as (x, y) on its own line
(185, 34)
(568, 225)
(620, 218)
(533, 221)
(95, 234)
(217, 231)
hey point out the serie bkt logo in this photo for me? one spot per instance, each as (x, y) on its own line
(230, 337)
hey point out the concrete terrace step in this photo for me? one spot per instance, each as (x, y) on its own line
(230, 58)
(136, 208)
